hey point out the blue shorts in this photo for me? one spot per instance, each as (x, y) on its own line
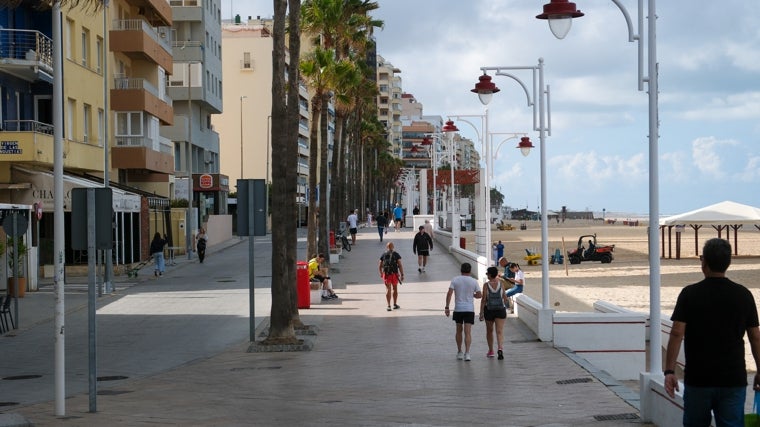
(464, 317)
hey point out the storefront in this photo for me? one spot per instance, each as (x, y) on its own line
(210, 192)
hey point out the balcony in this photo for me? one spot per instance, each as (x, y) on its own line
(186, 10)
(138, 40)
(26, 54)
(143, 153)
(130, 94)
(157, 12)
(31, 142)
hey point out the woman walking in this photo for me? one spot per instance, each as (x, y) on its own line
(493, 309)
(200, 245)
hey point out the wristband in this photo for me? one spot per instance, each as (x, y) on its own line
(668, 372)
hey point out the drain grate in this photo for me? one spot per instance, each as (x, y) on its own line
(575, 381)
(8, 404)
(22, 377)
(112, 378)
(616, 417)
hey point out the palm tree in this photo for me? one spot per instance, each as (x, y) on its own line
(284, 312)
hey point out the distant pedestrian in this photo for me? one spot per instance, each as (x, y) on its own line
(157, 252)
(416, 211)
(493, 309)
(499, 250)
(465, 289)
(201, 240)
(428, 228)
(711, 317)
(392, 272)
(353, 226)
(421, 246)
(382, 223)
(507, 274)
(369, 219)
(398, 216)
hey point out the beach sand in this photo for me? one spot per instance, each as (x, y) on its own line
(625, 281)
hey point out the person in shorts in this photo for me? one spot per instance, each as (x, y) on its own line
(421, 246)
(493, 309)
(353, 220)
(319, 275)
(464, 289)
(392, 273)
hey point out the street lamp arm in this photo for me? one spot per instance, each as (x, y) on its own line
(530, 97)
(513, 136)
(477, 132)
(635, 37)
(628, 21)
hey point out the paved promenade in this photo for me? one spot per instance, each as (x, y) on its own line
(175, 351)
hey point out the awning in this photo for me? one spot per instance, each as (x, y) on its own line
(40, 190)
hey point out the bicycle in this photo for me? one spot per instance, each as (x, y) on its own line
(344, 240)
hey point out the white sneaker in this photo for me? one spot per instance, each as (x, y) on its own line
(460, 356)
(467, 357)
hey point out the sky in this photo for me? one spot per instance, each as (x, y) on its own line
(597, 157)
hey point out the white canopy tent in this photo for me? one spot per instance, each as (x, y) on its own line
(720, 216)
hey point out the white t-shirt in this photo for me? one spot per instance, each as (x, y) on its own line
(464, 288)
(352, 219)
(520, 275)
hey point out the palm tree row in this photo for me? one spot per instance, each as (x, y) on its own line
(336, 70)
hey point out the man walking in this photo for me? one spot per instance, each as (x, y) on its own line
(711, 318)
(353, 226)
(392, 273)
(465, 289)
(422, 246)
(398, 215)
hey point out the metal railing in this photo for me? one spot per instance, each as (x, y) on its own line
(26, 45)
(130, 83)
(161, 35)
(27, 126)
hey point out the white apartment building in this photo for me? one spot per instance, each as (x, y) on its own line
(389, 108)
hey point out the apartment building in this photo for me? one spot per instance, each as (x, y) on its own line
(389, 102)
(245, 128)
(140, 40)
(196, 89)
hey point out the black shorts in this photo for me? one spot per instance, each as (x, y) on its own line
(423, 253)
(464, 317)
(490, 315)
(352, 230)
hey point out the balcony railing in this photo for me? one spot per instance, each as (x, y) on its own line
(143, 141)
(186, 3)
(161, 35)
(27, 45)
(128, 83)
(27, 126)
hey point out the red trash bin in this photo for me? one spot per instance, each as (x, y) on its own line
(463, 242)
(332, 239)
(302, 284)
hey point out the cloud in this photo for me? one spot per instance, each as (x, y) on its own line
(751, 172)
(706, 155)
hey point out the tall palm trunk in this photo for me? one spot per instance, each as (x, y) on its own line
(311, 239)
(324, 195)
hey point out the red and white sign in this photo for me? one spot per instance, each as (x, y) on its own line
(38, 210)
(206, 181)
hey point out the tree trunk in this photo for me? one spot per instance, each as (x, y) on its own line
(311, 239)
(284, 178)
(324, 168)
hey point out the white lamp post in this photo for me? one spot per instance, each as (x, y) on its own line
(485, 88)
(559, 13)
(449, 129)
(428, 142)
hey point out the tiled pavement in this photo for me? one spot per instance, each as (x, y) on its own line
(182, 342)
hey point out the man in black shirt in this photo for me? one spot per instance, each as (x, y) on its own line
(711, 318)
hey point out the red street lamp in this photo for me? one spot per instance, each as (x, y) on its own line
(560, 14)
(426, 141)
(485, 88)
(449, 129)
(525, 145)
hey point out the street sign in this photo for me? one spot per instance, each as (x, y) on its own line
(20, 227)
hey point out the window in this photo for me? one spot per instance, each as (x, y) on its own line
(68, 42)
(246, 60)
(99, 53)
(85, 47)
(70, 118)
(129, 123)
(86, 120)
(101, 127)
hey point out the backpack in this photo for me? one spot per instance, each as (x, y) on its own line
(494, 300)
(389, 263)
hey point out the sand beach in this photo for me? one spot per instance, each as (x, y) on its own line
(625, 281)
